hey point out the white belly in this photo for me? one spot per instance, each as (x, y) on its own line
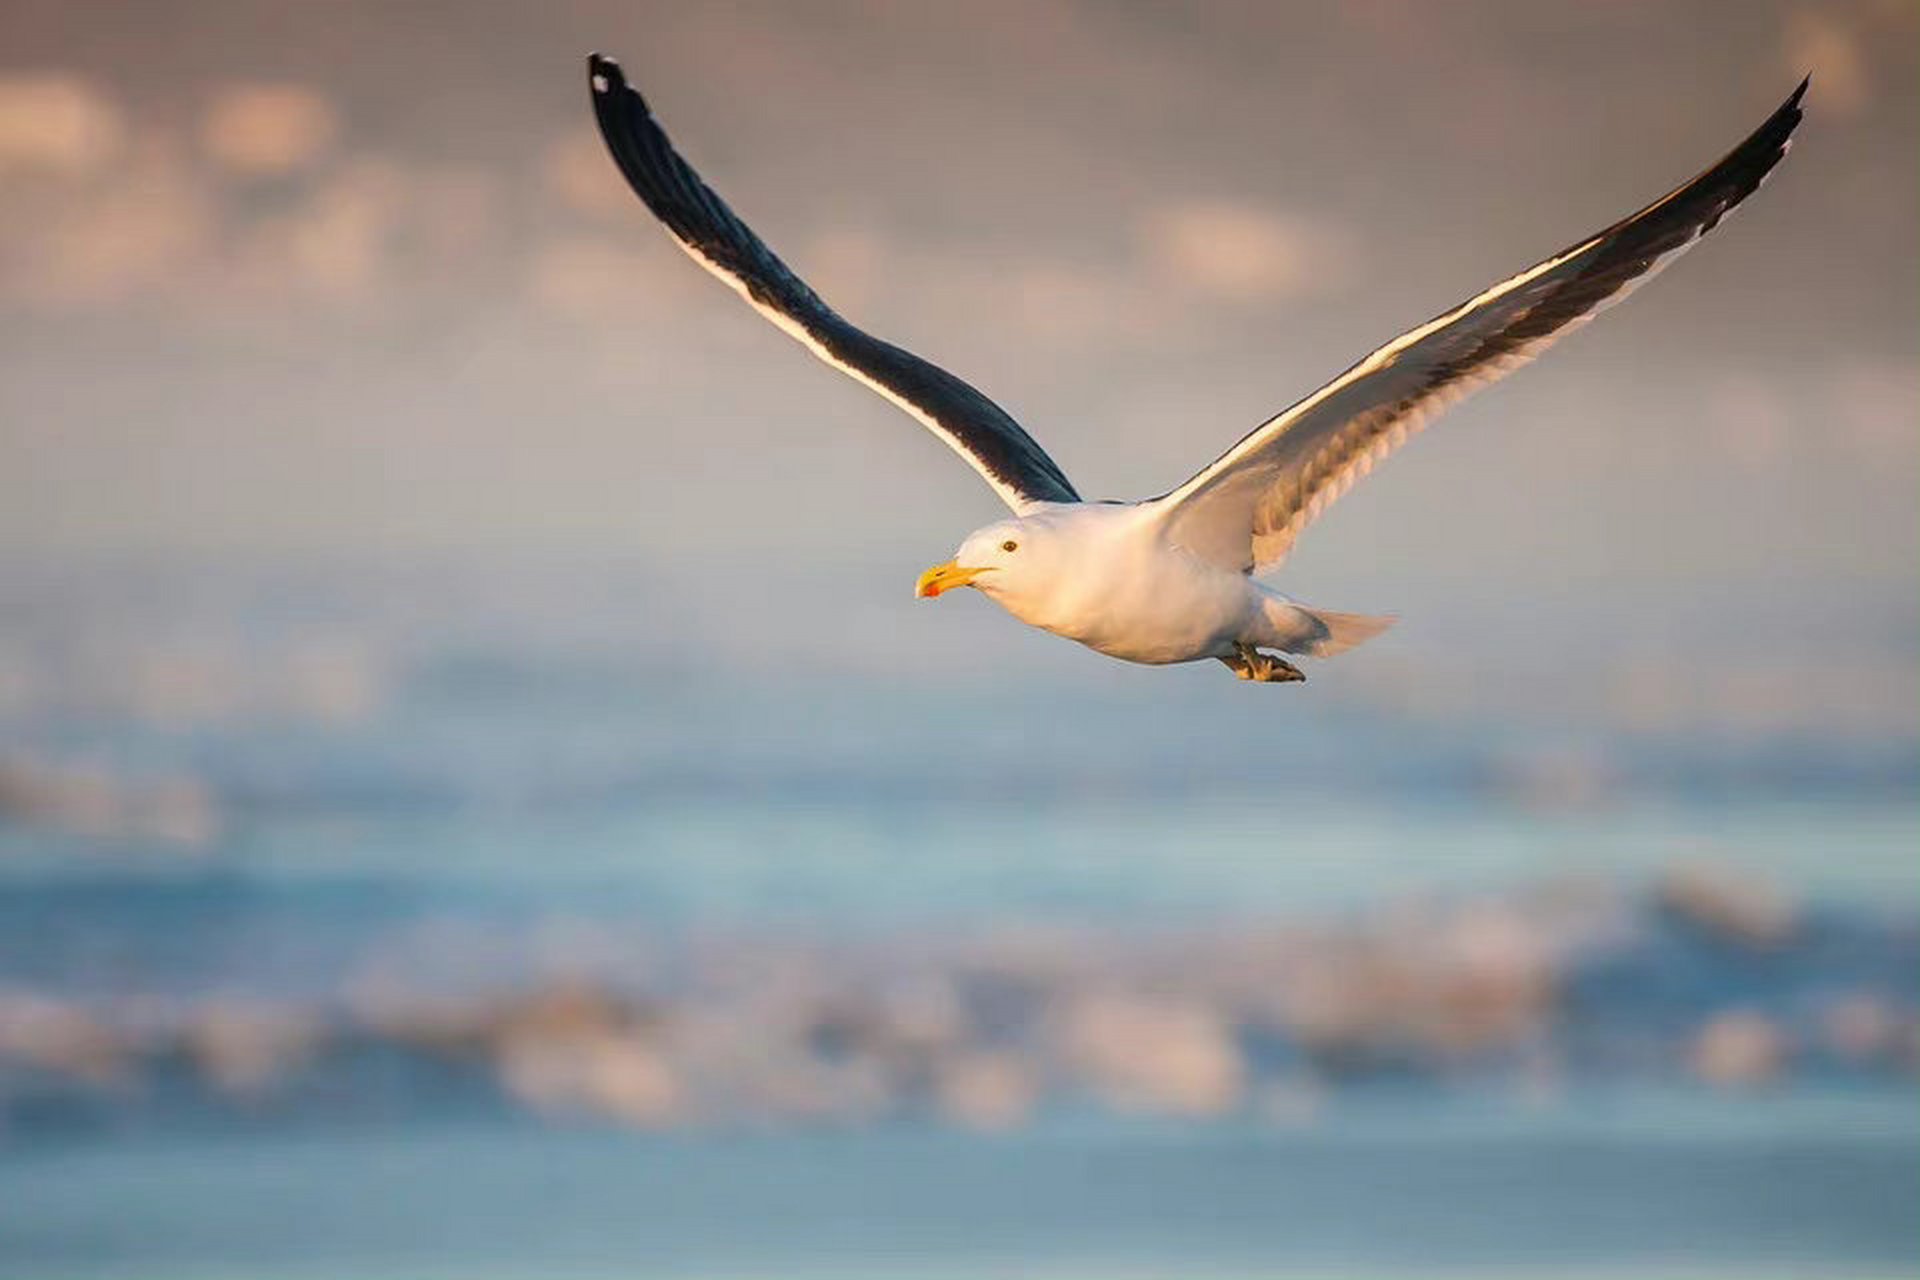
(1130, 596)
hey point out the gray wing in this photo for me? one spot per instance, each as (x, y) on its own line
(1246, 508)
(1017, 468)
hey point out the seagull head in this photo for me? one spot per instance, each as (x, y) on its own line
(1002, 560)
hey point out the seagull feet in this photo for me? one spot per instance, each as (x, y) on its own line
(1262, 668)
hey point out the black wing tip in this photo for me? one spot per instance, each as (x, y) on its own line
(604, 74)
(1790, 110)
(607, 81)
(1779, 126)
(624, 115)
(1787, 117)
(1748, 164)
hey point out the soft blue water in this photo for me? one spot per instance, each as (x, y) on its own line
(1652, 1184)
(1817, 1177)
(881, 859)
(493, 787)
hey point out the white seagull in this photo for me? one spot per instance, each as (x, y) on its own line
(1175, 578)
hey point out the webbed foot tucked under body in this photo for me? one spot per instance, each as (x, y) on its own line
(1263, 668)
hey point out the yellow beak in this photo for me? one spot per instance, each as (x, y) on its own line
(944, 577)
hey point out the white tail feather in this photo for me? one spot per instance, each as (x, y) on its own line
(1318, 633)
(1345, 630)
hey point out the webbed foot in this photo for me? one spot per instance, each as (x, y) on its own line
(1262, 668)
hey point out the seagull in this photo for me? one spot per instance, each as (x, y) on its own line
(1177, 578)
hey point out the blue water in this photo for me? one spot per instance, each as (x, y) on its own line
(426, 1176)
(490, 797)
(1645, 1184)
(878, 859)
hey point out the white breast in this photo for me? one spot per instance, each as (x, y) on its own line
(1114, 586)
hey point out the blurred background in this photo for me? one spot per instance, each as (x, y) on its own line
(477, 796)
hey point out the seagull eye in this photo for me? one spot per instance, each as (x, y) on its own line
(1009, 545)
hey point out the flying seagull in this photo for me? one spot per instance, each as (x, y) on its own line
(1177, 578)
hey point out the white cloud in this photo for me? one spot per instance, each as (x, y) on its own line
(263, 130)
(57, 122)
(153, 226)
(333, 246)
(589, 278)
(1070, 307)
(581, 175)
(1829, 45)
(1234, 252)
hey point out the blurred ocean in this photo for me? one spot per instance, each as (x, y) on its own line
(1648, 1184)
(336, 932)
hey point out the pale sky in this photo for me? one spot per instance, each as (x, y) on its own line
(335, 281)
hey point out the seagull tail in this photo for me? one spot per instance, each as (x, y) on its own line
(1318, 633)
(1345, 630)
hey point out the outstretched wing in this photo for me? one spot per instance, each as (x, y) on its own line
(1246, 508)
(978, 429)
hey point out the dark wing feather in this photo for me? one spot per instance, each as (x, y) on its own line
(1018, 468)
(1247, 507)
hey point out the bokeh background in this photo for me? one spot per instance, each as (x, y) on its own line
(477, 797)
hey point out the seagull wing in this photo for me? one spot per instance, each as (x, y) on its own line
(1246, 508)
(978, 429)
